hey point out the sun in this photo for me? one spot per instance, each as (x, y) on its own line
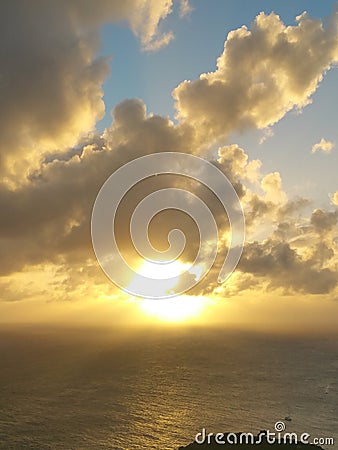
(167, 272)
(175, 309)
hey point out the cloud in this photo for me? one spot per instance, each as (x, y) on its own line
(185, 8)
(323, 146)
(283, 267)
(334, 198)
(291, 255)
(47, 220)
(324, 221)
(51, 74)
(272, 186)
(144, 19)
(267, 133)
(261, 75)
(57, 77)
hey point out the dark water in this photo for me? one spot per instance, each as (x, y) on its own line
(156, 389)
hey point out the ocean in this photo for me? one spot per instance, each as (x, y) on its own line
(157, 388)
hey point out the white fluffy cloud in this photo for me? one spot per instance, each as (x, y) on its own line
(261, 75)
(323, 146)
(334, 198)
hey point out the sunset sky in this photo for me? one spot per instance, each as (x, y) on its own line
(250, 86)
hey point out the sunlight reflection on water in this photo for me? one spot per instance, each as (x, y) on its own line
(157, 390)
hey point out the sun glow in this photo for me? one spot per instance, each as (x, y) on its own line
(166, 272)
(178, 309)
(174, 309)
(162, 269)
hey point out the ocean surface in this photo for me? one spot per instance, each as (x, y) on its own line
(155, 389)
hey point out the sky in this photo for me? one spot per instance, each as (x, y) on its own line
(249, 86)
